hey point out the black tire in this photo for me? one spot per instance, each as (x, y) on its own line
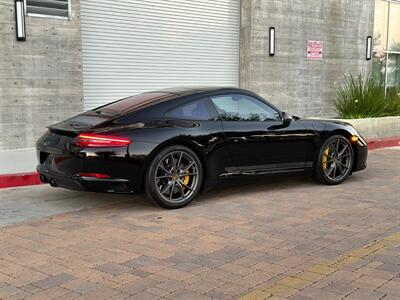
(335, 160)
(166, 172)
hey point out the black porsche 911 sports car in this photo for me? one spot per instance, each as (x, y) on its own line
(171, 143)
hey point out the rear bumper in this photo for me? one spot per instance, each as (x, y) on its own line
(74, 182)
(61, 163)
(59, 157)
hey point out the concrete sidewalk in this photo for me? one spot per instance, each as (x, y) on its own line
(35, 202)
(282, 238)
(18, 161)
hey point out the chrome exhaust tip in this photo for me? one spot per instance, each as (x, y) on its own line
(43, 179)
(52, 182)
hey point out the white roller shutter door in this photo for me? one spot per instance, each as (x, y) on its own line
(129, 47)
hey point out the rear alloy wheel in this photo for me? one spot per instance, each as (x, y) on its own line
(174, 177)
(335, 160)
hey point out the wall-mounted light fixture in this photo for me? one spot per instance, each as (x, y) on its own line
(368, 54)
(271, 41)
(20, 20)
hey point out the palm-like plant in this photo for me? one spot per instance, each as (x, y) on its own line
(393, 102)
(358, 98)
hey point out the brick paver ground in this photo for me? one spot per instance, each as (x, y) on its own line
(286, 238)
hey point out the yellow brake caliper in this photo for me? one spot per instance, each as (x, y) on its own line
(325, 158)
(186, 179)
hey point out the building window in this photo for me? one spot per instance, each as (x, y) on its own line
(386, 60)
(60, 9)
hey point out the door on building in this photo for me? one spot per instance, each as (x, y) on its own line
(257, 138)
(129, 47)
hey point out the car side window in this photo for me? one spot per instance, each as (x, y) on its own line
(200, 109)
(237, 107)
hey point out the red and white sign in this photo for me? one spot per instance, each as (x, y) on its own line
(315, 50)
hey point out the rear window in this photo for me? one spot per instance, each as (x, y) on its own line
(134, 102)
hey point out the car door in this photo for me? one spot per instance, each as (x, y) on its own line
(201, 125)
(258, 140)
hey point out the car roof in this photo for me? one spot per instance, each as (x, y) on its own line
(188, 90)
(150, 98)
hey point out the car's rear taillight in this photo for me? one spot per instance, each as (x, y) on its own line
(100, 141)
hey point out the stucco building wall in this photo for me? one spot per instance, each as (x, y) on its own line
(40, 78)
(288, 79)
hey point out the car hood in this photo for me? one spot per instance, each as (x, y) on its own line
(332, 121)
(331, 124)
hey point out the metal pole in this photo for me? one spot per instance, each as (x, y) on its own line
(387, 49)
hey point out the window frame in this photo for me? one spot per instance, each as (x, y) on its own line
(250, 95)
(210, 106)
(68, 18)
(386, 51)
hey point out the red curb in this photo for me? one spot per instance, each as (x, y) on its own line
(383, 143)
(19, 179)
(32, 178)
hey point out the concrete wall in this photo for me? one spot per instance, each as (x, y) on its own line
(291, 82)
(372, 128)
(41, 78)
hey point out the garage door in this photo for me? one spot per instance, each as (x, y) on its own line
(129, 47)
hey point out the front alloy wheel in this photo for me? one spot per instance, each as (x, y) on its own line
(335, 160)
(174, 177)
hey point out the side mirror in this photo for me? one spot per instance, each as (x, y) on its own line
(286, 118)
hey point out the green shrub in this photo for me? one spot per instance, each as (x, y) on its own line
(393, 102)
(358, 98)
